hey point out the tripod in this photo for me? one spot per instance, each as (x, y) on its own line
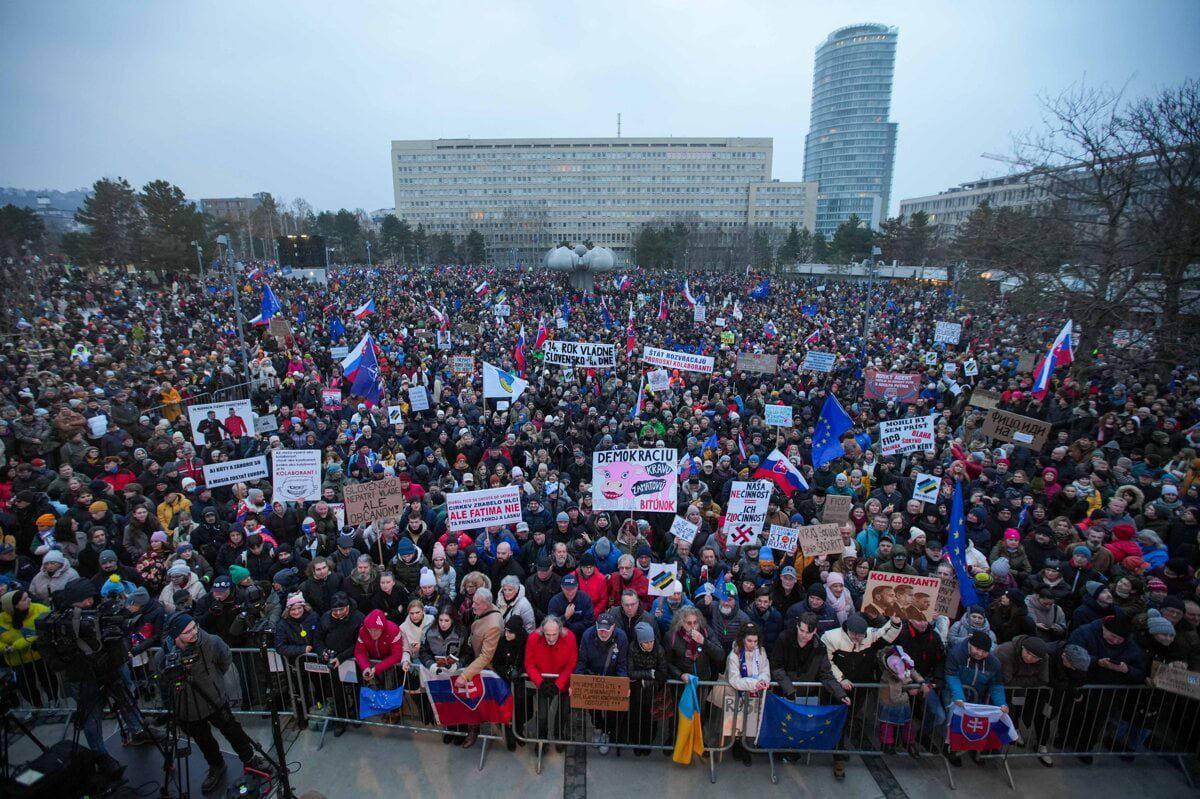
(176, 752)
(7, 718)
(265, 636)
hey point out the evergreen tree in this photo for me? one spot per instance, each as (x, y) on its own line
(114, 220)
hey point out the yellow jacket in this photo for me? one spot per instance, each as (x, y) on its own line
(18, 643)
(167, 511)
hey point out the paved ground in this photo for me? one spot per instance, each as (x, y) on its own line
(372, 762)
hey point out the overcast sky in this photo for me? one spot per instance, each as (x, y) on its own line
(303, 98)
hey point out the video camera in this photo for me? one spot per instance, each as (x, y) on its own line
(251, 611)
(177, 665)
(72, 633)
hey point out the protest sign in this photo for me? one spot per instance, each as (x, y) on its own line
(820, 539)
(837, 508)
(906, 435)
(759, 363)
(926, 487)
(747, 511)
(719, 321)
(593, 692)
(931, 359)
(948, 598)
(1168, 677)
(728, 337)
(1016, 429)
(660, 577)
(684, 530)
(779, 415)
(949, 368)
(560, 323)
(982, 398)
(971, 367)
(580, 353)
(782, 539)
(947, 333)
(470, 510)
(338, 509)
(898, 386)
(296, 474)
(1025, 362)
(370, 502)
(279, 328)
(443, 340)
(819, 361)
(699, 313)
(418, 399)
(635, 479)
(501, 310)
(908, 596)
(235, 416)
(339, 353)
(266, 424)
(1122, 338)
(658, 380)
(239, 471)
(685, 361)
(462, 364)
(331, 399)
(395, 414)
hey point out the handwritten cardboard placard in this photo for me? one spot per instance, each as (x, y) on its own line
(593, 692)
(1016, 429)
(370, 502)
(820, 539)
(837, 508)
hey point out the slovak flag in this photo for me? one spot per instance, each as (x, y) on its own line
(769, 330)
(979, 728)
(813, 338)
(630, 334)
(662, 306)
(782, 472)
(1062, 352)
(254, 273)
(365, 310)
(482, 289)
(543, 334)
(354, 358)
(687, 467)
(519, 353)
(641, 398)
(622, 282)
(484, 699)
(687, 295)
(442, 319)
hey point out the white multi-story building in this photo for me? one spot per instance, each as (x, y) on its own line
(527, 195)
(950, 208)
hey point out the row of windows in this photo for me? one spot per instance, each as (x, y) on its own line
(491, 155)
(580, 180)
(488, 169)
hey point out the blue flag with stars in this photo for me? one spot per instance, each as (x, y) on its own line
(827, 435)
(792, 726)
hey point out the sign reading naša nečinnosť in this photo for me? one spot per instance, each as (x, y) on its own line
(685, 361)
(580, 353)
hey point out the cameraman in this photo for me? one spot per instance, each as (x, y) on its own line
(91, 665)
(201, 703)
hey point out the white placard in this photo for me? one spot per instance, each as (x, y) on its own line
(418, 399)
(699, 313)
(970, 367)
(443, 339)
(236, 416)
(782, 539)
(719, 321)
(395, 414)
(747, 511)
(926, 487)
(658, 380)
(266, 424)
(906, 435)
(580, 353)
(339, 353)
(471, 510)
(947, 333)
(779, 415)
(501, 310)
(685, 361)
(661, 575)
(684, 530)
(296, 474)
(931, 359)
(819, 361)
(230, 472)
(560, 323)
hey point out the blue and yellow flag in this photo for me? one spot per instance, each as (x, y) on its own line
(689, 737)
(791, 726)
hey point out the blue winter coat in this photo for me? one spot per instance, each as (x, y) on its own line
(607, 659)
(973, 680)
(1091, 637)
(770, 623)
(584, 616)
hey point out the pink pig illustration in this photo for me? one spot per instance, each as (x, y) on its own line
(617, 479)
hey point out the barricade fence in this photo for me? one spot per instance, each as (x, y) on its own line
(1086, 721)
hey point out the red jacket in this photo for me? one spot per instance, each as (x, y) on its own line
(596, 589)
(560, 659)
(639, 582)
(1123, 546)
(388, 648)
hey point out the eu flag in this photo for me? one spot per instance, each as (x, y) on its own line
(762, 291)
(375, 703)
(810, 309)
(270, 306)
(336, 329)
(791, 726)
(827, 436)
(956, 545)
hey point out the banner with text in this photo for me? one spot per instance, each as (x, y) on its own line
(897, 386)
(230, 472)
(580, 353)
(906, 435)
(370, 502)
(747, 511)
(685, 361)
(635, 479)
(296, 474)
(469, 510)
(908, 596)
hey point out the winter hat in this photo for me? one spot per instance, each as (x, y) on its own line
(405, 548)
(346, 540)
(856, 623)
(1093, 587)
(1082, 551)
(238, 574)
(98, 507)
(427, 578)
(184, 547)
(139, 598)
(1035, 646)
(1077, 657)
(177, 623)
(159, 536)
(980, 640)
(54, 556)
(112, 586)
(295, 599)
(587, 559)
(1001, 568)
(46, 520)
(984, 581)
(222, 583)
(643, 551)
(1157, 625)
(340, 600)
(1011, 534)
(1118, 625)
(178, 569)
(643, 632)
(287, 578)
(562, 517)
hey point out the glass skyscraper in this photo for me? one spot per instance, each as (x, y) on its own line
(851, 146)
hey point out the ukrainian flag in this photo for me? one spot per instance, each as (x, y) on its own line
(689, 737)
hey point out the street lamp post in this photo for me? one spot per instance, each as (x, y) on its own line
(872, 265)
(327, 251)
(199, 258)
(369, 266)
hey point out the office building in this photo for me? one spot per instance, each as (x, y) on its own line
(950, 208)
(851, 145)
(234, 209)
(527, 195)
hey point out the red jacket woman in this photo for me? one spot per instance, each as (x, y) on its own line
(557, 657)
(381, 640)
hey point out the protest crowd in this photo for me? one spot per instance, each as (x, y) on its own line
(1064, 556)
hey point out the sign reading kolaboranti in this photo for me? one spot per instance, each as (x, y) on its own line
(906, 435)
(470, 510)
(580, 353)
(296, 474)
(910, 597)
(670, 359)
(230, 472)
(635, 479)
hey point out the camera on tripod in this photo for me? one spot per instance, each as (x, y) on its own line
(177, 666)
(74, 632)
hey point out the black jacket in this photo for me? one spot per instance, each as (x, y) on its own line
(339, 635)
(792, 663)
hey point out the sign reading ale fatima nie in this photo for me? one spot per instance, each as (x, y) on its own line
(471, 510)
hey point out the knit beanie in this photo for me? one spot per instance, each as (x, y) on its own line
(1157, 625)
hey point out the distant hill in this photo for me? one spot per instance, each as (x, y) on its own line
(27, 198)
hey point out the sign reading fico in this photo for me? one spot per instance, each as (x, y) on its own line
(906, 435)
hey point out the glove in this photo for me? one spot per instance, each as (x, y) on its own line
(548, 687)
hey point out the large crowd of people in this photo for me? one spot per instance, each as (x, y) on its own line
(1082, 553)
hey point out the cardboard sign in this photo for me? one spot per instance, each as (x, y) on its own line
(236, 415)
(418, 399)
(759, 363)
(820, 539)
(819, 361)
(462, 364)
(1025, 362)
(747, 511)
(660, 577)
(947, 333)
(837, 508)
(1016, 429)
(782, 539)
(395, 414)
(331, 399)
(635, 479)
(684, 530)
(571, 354)
(471, 510)
(266, 424)
(982, 398)
(699, 313)
(684, 361)
(779, 415)
(897, 386)
(931, 359)
(908, 596)
(296, 474)
(1176, 680)
(239, 471)
(906, 435)
(370, 502)
(658, 380)
(926, 487)
(593, 692)
(948, 598)
(280, 329)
